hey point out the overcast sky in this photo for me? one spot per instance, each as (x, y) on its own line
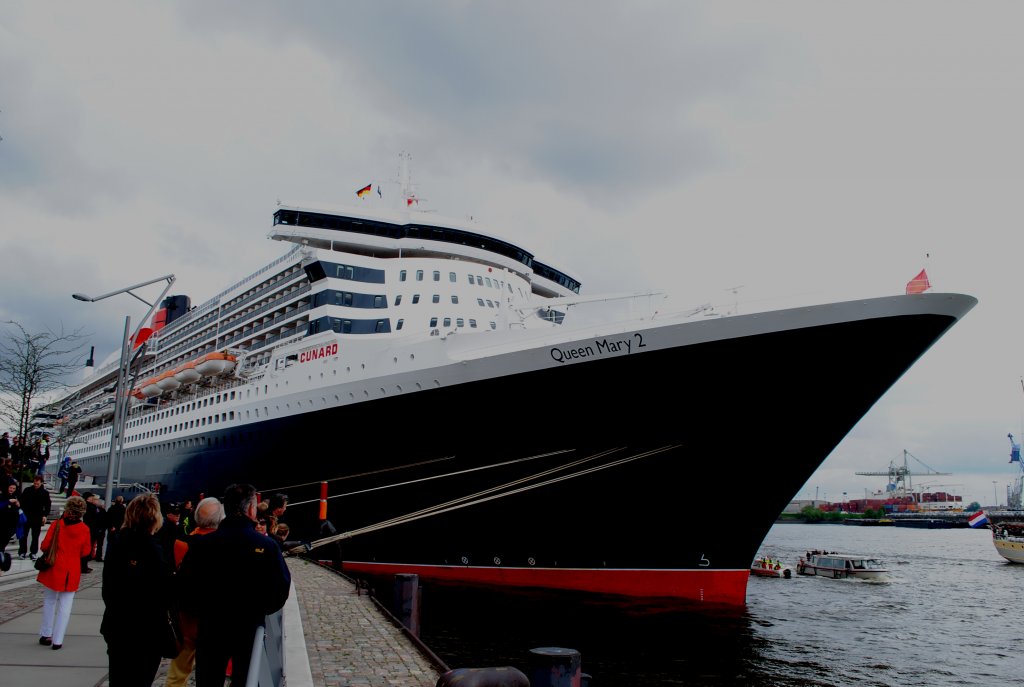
(804, 151)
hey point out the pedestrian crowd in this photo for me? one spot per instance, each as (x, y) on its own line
(188, 584)
(20, 454)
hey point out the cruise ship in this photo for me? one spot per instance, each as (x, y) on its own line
(478, 419)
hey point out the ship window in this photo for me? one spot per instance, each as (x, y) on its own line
(470, 277)
(437, 275)
(380, 327)
(488, 280)
(398, 300)
(479, 280)
(346, 272)
(399, 325)
(451, 277)
(346, 326)
(415, 298)
(401, 275)
(459, 322)
(378, 302)
(489, 303)
(480, 302)
(346, 298)
(510, 287)
(493, 325)
(419, 275)
(472, 324)
(447, 322)
(455, 299)
(433, 322)
(436, 298)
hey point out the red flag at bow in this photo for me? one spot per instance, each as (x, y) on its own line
(919, 284)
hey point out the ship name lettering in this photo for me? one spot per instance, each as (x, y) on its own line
(561, 355)
(606, 346)
(317, 353)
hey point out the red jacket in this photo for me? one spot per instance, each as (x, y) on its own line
(73, 544)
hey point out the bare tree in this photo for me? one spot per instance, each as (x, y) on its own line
(32, 364)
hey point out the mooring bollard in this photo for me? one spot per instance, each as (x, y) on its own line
(506, 676)
(407, 606)
(585, 679)
(553, 666)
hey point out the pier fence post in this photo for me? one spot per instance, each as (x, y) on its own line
(323, 501)
(407, 602)
(552, 666)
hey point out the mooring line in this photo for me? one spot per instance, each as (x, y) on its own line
(433, 477)
(462, 502)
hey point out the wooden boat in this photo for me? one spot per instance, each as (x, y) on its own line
(842, 566)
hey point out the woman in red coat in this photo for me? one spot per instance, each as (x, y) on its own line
(61, 581)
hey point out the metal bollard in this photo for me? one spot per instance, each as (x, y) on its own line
(484, 677)
(407, 606)
(552, 666)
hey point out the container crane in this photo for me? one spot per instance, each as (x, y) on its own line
(901, 477)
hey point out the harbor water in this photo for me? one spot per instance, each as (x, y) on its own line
(951, 614)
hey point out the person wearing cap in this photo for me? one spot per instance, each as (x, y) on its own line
(74, 471)
(61, 581)
(170, 531)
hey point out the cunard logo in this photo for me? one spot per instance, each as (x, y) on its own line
(317, 353)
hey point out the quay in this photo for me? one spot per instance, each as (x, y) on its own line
(334, 636)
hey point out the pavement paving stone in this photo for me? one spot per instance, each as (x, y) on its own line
(349, 641)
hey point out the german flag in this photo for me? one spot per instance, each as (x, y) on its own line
(364, 191)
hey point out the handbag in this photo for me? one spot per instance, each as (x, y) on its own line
(46, 561)
(172, 642)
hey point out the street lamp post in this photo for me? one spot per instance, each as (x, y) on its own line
(995, 495)
(120, 389)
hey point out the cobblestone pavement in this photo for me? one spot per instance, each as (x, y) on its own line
(349, 640)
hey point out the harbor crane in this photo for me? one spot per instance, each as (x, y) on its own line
(900, 476)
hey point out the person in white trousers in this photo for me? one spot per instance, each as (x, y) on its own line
(60, 581)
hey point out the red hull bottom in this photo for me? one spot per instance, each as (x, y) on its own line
(728, 587)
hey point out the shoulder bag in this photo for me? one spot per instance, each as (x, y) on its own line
(46, 561)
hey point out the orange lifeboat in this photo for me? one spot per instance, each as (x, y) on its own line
(150, 389)
(213, 364)
(187, 373)
(167, 382)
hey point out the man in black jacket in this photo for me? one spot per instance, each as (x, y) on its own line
(35, 504)
(231, 579)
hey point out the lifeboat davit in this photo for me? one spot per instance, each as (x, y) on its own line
(167, 382)
(213, 364)
(187, 373)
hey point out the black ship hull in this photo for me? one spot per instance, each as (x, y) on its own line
(602, 475)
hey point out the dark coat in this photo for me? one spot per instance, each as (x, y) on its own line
(35, 503)
(136, 590)
(115, 516)
(233, 576)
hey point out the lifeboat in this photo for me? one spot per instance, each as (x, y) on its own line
(167, 382)
(106, 410)
(187, 373)
(137, 393)
(213, 364)
(150, 389)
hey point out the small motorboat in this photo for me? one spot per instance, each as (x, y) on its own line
(842, 566)
(770, 567)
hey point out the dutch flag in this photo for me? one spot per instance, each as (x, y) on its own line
(978, 519)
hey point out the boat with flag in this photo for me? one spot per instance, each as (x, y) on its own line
(479, 418)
